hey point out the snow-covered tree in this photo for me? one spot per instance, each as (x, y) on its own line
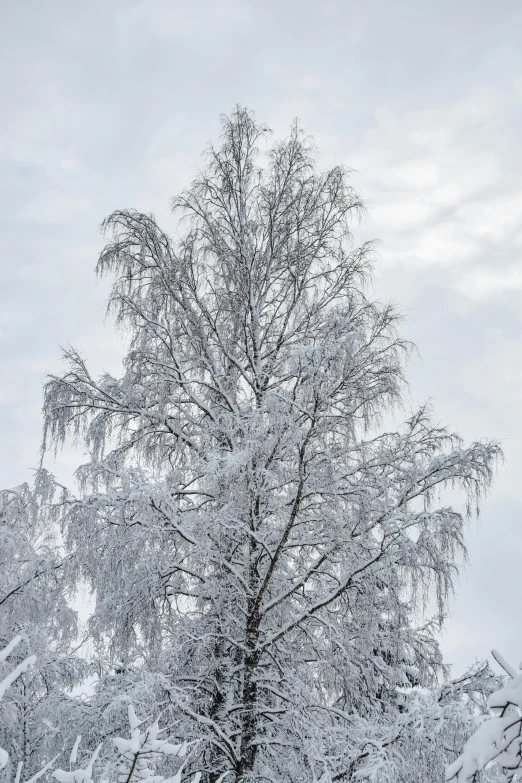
(8, 679)
(134, 759)
(34, 610)
(497, 742)
(259, 550)
(440, 722)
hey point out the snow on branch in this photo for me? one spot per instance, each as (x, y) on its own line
(8, 680)
(499, 738)
(136, 758)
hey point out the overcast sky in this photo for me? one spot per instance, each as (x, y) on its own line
(107, 104)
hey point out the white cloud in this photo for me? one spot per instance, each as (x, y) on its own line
(171, 22)
(54, 208)
(490, 283)
(402, 215)
(443, 187)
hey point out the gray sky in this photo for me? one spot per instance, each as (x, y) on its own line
(108, 103)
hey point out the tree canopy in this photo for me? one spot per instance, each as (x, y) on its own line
(260, 547)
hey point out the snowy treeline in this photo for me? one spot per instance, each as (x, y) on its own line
(261, 551)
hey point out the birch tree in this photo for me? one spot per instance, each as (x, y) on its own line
(246, 524)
